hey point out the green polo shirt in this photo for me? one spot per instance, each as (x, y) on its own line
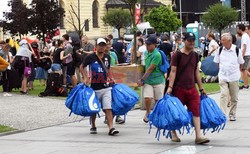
(156, 76)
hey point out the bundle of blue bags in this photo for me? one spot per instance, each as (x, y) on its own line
(83, 101)
(170, 114)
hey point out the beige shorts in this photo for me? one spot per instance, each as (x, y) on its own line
(153, 91)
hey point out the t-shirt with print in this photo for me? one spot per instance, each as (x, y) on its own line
(245, 39)
(156, 76)
(98, 75)
(186, 78)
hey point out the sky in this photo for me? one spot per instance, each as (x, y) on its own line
(3, 7)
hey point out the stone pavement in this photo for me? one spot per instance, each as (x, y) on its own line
(74, 138)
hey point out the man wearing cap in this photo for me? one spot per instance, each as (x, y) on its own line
(153, 80)
(99, 63)
(184, 73)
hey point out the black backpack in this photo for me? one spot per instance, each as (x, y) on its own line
(54, 86)
(237, 50)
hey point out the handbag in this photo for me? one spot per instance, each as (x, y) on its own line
(27, 70)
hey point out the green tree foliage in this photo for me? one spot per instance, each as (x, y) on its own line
(219, 16)
(17, 20)
(163, 19)
(46, 15)
(117, 18)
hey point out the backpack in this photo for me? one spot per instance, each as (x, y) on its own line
(53, 85)
(123, 99)
(169, 114)
(211, 115)
(165, 64)
(237, 50)
(83, 101)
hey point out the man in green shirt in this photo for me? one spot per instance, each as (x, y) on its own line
(113, 56)
(153, 80)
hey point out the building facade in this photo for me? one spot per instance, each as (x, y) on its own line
(91, 13)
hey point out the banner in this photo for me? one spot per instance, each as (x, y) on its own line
(137, 13)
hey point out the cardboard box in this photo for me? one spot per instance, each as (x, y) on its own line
(128, 74)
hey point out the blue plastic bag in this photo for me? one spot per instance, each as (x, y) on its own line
(83, 101)
(169, 114)
(123, 99)
(211, 115)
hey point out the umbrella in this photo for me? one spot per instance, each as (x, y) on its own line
(209, 67)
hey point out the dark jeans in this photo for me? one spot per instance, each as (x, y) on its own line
(6, 85)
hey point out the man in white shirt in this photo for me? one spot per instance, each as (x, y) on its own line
(245, 48)
(229, 74)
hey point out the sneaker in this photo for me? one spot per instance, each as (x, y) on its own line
(113, 132)
(119, 120)
(232, 118)
(93, 130)
(244, 87)
(201, 140)
(6, 94)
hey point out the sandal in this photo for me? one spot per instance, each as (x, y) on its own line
(113, 132)
(145, 119)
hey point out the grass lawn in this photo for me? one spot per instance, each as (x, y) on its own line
(209, 87)
(5, 129)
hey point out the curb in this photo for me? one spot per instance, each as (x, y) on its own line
(11, 132)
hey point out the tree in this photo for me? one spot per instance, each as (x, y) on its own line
(46, 15)
(131, 6)
(78, 25)
(219, 16)
(17, 20)
(117, 18)
(163, 19)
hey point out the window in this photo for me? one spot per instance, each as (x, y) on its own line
(86, 25)
(95, 14)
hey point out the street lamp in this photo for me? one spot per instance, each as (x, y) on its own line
(180, 15)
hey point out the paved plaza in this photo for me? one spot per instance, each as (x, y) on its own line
(74, 137)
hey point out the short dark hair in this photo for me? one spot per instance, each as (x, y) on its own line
(110, 37)
(141, 40)
(107, 40)
(66, 36)
(121, 38)
(165, 38)
(59, 42)
(138, 33)
(241, 27)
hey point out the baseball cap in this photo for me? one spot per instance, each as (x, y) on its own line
(151, 40)
(189, 36)
(101, 40)
(202, 38)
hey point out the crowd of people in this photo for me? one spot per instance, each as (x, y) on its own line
(75, 60)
